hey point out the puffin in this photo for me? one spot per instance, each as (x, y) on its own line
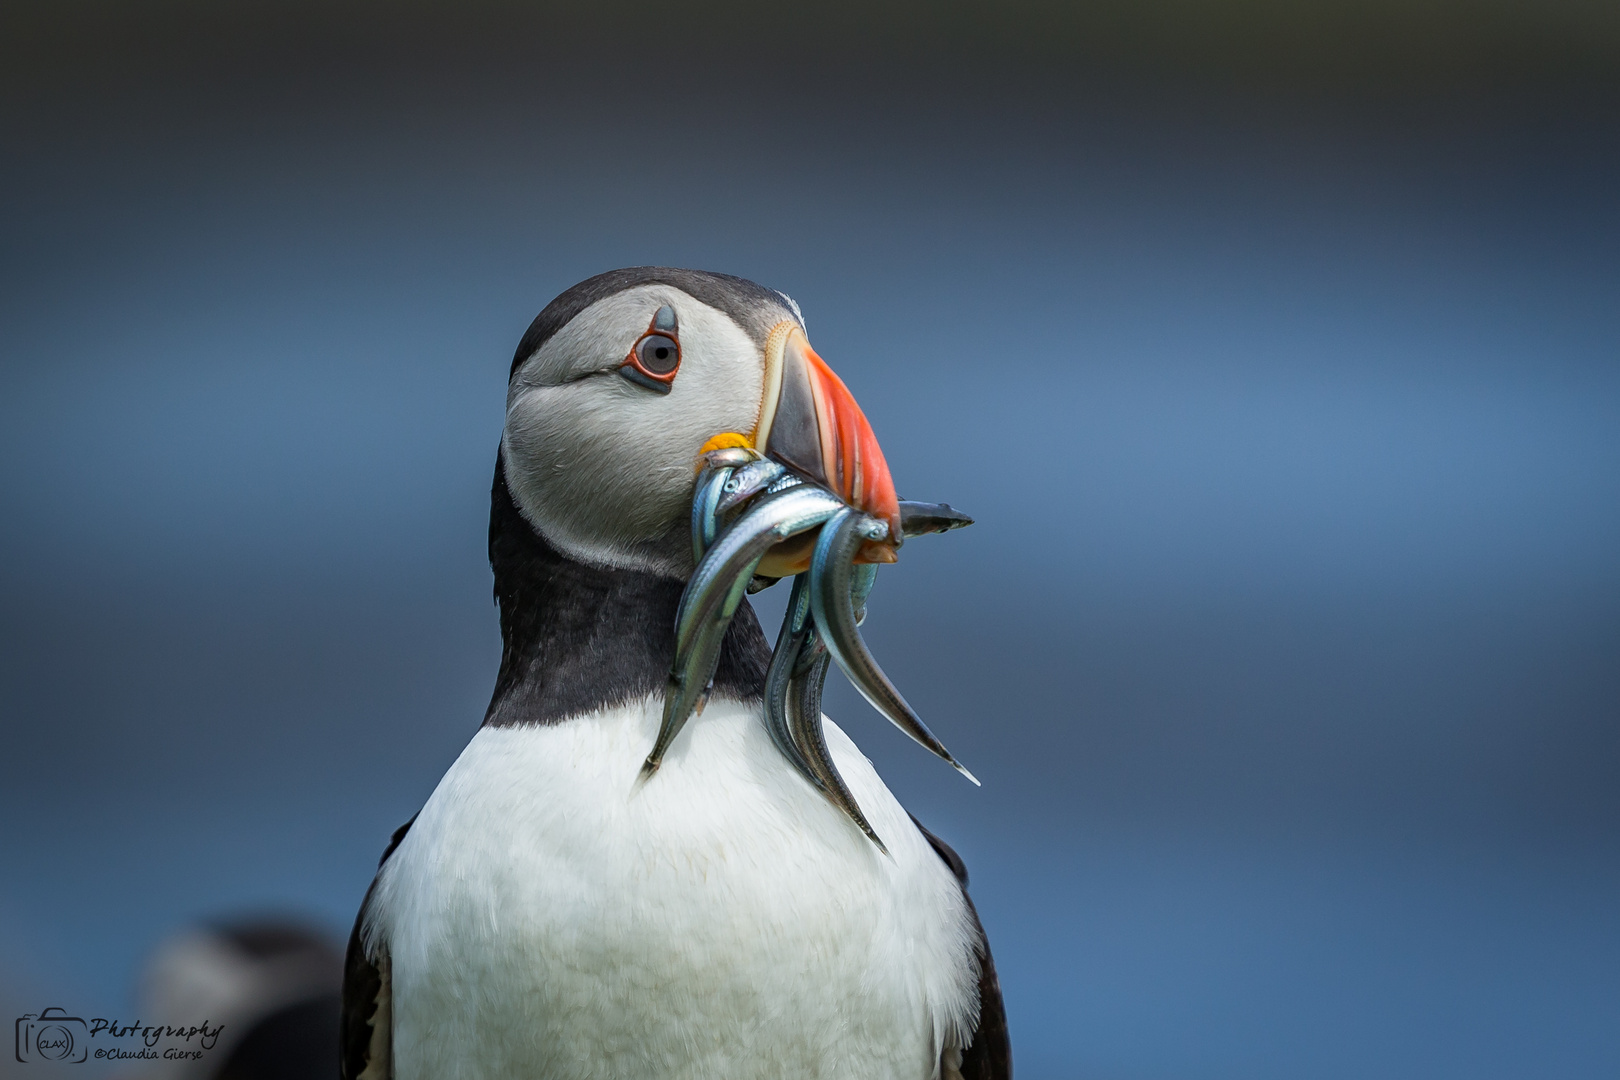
(657, 858)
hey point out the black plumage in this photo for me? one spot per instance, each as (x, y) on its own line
(575, 638)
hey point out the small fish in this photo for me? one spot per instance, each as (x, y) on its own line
(747, 482)
(771, 503)
(792, 638)
(832, 603)
(739, 548)
(714, 592)
(805, 717)
(917, 518)
(710, 486)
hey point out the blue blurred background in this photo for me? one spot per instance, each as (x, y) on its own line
(1275, 348)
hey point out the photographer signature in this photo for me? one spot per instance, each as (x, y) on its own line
(52, 1035)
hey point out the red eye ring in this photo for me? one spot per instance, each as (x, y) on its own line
(655, 358)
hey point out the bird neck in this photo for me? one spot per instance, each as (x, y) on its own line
(577, 638)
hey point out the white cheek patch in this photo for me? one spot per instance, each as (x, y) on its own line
(597, 339)
(602, 466)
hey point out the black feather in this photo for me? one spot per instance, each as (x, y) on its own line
(362, 982)
(989, 1055)
(576, 638)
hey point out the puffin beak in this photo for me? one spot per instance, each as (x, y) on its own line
(809, 422)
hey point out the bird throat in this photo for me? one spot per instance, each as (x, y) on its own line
(578, 638)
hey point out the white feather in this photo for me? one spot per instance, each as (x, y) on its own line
(546, 919)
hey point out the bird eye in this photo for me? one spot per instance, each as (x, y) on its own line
(658, 355)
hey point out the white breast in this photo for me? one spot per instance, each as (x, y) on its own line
(546, 919)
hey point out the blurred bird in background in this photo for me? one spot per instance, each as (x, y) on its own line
(271, 985)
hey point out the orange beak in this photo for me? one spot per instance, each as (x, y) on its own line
(810, 423)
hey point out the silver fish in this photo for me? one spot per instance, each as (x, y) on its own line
(714, 593)
(793, 706)
(747, 482)
(917, 518)
(739, 548)
(793, 637)
(832, 603)
(710, 487)
(806, 722)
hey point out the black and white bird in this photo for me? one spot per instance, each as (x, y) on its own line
(599, 888)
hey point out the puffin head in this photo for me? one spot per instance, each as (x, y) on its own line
(677, 425)
(625, 381)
